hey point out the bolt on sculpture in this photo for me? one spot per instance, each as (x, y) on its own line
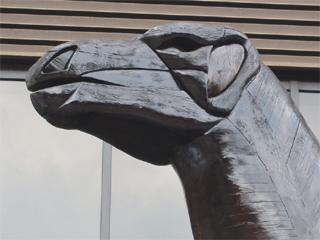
(196, 97)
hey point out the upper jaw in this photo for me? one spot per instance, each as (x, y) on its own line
(75, 61)
(58, 74)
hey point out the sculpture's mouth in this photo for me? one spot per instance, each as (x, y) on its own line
(51, 94)
(120, 108)
(140, 121)
(54, 82)
(144, 78)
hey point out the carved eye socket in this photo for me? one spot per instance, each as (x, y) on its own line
(182, 44)
(224, 65)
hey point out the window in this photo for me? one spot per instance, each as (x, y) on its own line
(309, 104)
(147, 202)
(50, 178)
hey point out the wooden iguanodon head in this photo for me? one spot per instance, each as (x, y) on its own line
(197, 97)
(147, 94)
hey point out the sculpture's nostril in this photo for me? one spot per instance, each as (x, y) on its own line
(59, 62)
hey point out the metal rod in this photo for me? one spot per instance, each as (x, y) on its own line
(105, 192)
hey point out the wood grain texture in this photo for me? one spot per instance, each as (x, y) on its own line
(304, 170)
(276, 106)
(273, 126)
(237, 198)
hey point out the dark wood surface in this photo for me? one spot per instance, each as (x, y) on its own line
(196, 97)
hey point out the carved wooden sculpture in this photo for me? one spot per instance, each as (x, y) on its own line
(196, 97)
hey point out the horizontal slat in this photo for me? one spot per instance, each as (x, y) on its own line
(142, 24)
(270, 60)
(15, 50)
(149, 9)
(64, 36)
(59, 36)
(290, 61)
(286, 45)
(273, 2)
(51, 25)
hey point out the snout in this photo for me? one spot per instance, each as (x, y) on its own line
(122, 63)
(129, 64)
(54, 64)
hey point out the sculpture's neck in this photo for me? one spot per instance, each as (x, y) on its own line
(227, 188)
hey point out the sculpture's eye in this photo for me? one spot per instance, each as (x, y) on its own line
(182, 44)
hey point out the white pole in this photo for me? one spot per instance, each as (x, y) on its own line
(105, 192)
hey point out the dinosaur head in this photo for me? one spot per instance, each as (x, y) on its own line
(148, 94)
